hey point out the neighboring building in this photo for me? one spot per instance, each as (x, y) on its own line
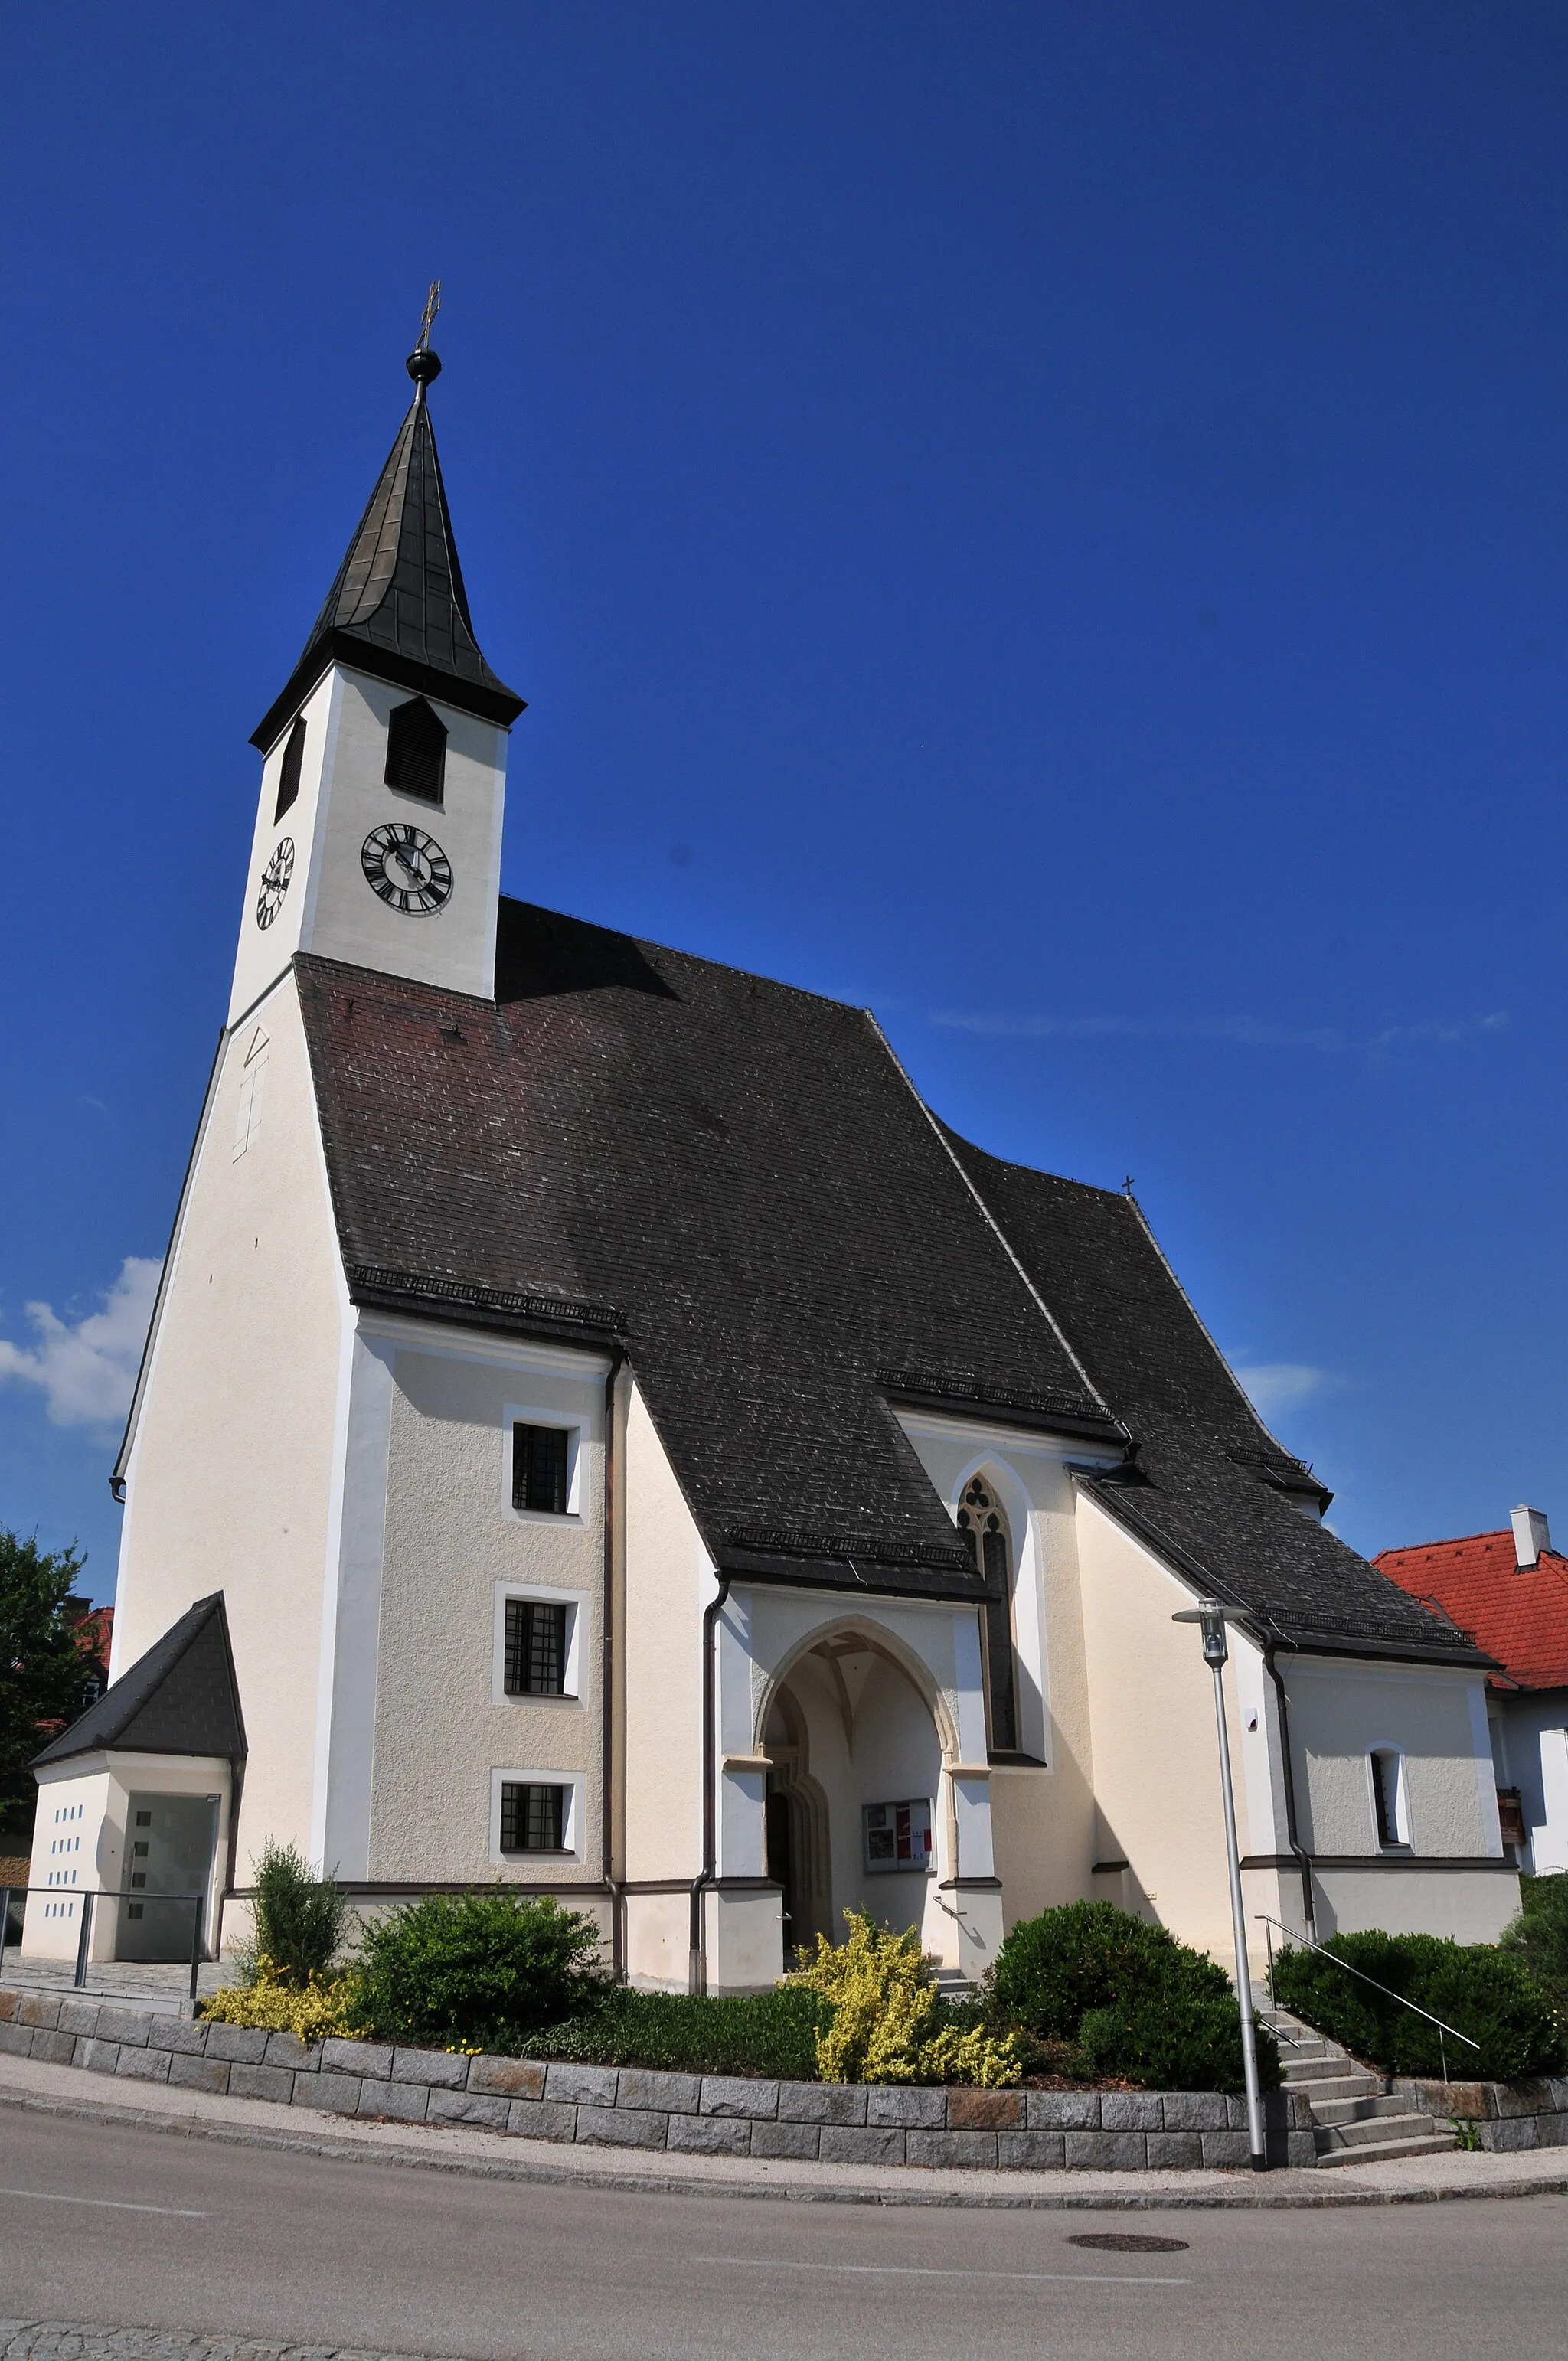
(622, 1442)
(1510, 1590)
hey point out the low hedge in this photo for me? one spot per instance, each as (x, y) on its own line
(1480, 1989)
(474, 1971)
(1134, 2002)
(771, 2033)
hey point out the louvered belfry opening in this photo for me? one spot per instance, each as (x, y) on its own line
(416, 751)
(288, 776)
(991, 1554)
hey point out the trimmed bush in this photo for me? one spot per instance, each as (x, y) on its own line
(475, 1969)
(1137, 2004)
(1480, 1989)
(299, 1914)
(1176, 2040)
(771, 2033)
(1538, 1937)
(1085, 1955)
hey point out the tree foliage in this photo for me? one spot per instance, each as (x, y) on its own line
(47, 1676)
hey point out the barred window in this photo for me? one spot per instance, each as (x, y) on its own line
(288, 776)
(533, 1819)
(539, 1468)
(416, 751)
(535, 1649)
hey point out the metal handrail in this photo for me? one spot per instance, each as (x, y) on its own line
(1307, 1944)
(87, 1896)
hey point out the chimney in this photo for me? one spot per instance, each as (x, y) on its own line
(1531, 1536)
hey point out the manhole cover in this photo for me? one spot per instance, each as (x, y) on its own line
(1127, 2242)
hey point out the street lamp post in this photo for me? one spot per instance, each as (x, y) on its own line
(1213, 1617)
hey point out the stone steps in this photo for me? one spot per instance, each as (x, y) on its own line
(1355, 2119)
(1385, 2151)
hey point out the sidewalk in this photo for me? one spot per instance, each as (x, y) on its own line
(255, 2123)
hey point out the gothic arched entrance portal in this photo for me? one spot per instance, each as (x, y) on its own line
(796, 1809)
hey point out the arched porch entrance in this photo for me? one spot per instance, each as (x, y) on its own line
(855, 1797)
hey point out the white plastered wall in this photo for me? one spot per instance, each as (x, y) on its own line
(230, 1478)
(667, 1581)
(1156, 1763)
(328, 907)
(1434, 1717)
(428, 1495)
(1042, 1819)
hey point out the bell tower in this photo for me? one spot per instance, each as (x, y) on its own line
(379, 830)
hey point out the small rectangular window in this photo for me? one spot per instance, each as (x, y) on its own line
(1386, 1796)
(533, 1818)
(539, 1468)
(535, 1649)
(144, 1819)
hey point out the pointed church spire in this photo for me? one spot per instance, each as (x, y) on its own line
(398, 608)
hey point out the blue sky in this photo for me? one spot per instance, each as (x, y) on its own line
(1049, 520)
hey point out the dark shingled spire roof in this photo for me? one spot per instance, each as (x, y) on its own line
(398, 608)
(182, 1697)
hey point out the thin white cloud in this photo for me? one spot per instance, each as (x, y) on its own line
(87, 1367)
(1274, 1387)
(1249, 1032)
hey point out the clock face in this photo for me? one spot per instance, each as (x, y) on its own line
(407, 868)
(275, 883)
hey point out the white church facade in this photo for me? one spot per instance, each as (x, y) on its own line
(601, 1431)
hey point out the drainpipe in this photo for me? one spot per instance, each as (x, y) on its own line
(606, 1678)
(1303, 1858)
(711, 1615)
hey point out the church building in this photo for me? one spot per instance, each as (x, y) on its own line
(601, 1430)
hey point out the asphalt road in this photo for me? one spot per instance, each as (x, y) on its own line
(107, 2224)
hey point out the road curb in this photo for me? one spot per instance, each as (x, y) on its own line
(893, 2186)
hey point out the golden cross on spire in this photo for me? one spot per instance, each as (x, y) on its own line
(431, 306)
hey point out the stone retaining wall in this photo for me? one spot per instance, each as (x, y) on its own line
(626, 2106)
(1510, 2116)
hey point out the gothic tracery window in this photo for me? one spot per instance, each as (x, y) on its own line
(984, 1532)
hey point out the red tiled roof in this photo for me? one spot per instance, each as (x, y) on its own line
(1519, 1614)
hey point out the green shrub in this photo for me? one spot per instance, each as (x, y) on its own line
(1085, 1955)
(1125, 1999)
(1176, 2039)
(887, 2022)
(771, 2033)
(1538, 1937)
(313, 2009)
(299, 1917)
(475, 1969)
(1482, 1990)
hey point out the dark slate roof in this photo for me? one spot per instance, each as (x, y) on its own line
(733, 1177)
(1209, 1488)
(180, 1698)
(735, 1180)
(398, 608)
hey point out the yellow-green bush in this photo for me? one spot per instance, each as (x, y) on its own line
(314, 2010)
(886, 2025)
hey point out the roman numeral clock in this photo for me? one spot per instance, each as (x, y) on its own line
(406, 868)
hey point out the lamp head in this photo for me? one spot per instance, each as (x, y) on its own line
(1212, 1618)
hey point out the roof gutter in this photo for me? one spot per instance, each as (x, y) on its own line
(607, 1679)
(1292, 1834)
